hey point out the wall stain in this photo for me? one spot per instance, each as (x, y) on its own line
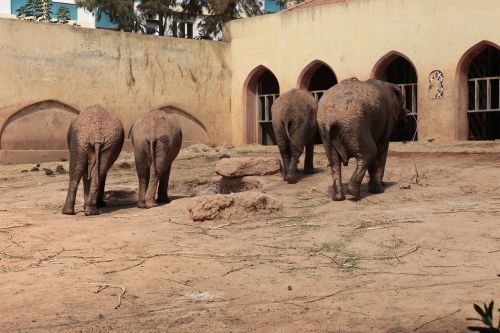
(131, 81)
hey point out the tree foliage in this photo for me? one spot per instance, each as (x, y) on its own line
(36, 10)
(162, 10)
(486, 314)
(63, 15)
(121, 12)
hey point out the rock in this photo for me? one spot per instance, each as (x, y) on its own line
(248, 166)
(24, 171)
(221, 156)
(405, 186)
(48, 172)
(60, 169)
(237, 206)
(35, 169)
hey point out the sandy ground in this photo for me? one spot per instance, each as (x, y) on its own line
(414, 258)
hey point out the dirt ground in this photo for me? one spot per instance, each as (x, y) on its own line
(414, 258)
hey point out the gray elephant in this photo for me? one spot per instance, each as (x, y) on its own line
(356, 119)
(95, 139)
(294, 125)
(157, 140)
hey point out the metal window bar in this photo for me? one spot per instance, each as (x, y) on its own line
(410, 89)
(264, 104)
(317, 94)
(485, 91)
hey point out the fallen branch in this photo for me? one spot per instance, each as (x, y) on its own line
(431, 321)
(102, 286)
(16, 226)
(417, 247)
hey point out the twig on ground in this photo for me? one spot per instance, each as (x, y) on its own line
(494, 251)
(237, 269)
(431, 321)
(395, 254)
(102, 286)
(16, 226)
(180, 282)
(333, 294)
(126, 268)
(417, 247)
(417, 179)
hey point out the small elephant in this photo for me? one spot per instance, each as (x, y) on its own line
(356, 119)
(95, 139)
(294, 124)
(157, 140)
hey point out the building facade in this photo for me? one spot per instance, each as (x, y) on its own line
(444, 55)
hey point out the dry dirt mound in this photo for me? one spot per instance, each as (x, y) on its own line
(233, 206)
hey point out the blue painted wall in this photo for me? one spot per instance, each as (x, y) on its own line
(271, 6)
(102, 20)
(16, 4)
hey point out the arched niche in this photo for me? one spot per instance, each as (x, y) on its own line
(479, 92)
(397, 68)
(193, 130)
(260, 90)
(39, 126)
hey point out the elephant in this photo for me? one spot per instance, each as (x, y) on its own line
(295, 127)
(95, 139)
(157, 140)
(356, 119)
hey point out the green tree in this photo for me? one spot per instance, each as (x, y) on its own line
(36, 10)
(63, 15)
(162, 10)
(120, 12)
(217, 12)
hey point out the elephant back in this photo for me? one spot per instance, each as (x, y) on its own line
(97, 125)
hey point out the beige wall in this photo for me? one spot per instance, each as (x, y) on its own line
(352, 37)
(48, 73)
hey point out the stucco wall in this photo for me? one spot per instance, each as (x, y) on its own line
(352, 37)
(48, 73)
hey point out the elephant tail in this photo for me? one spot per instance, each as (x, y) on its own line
(97, 161)
(337, 144)
(286, 125)
(152, 149)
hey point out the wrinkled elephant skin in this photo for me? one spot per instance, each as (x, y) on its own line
(95, 139)
(356, 119)
(157, 140)
(294, 125)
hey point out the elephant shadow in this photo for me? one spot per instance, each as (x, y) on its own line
(364, 190)
(117, 205)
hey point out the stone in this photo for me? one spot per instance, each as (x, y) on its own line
(60, 169)
(48, 172)
(34, 169)
(233, 206)
(248, 166)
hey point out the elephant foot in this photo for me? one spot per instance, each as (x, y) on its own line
(308, 171)
(101, 204)
(338, 196)
(354, 190)
(151, 203)
(375, 188)
(141, 204)
(290, 179)
(68, 210)
(89, 211)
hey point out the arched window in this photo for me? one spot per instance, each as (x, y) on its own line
(396, 69)
(317, 77)
(261, 90)
(483, 78)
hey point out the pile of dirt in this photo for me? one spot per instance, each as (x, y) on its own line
(233, 206)
(216, 185)
(122, 195)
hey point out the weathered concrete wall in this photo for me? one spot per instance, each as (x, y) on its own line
(49, 73)
(352, 37)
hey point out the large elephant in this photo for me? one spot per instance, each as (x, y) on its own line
(157, 140)
(294, 125)
(95, 139)
(356, 119)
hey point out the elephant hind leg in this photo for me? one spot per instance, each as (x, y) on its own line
(376, 170)
(335, 164)
(149, 198)
(308, 161)
(364, 159)
(163, 187)
(284, 148)
(77, 167)
(100, 195)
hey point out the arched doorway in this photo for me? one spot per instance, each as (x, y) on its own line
(483, 93)
(317, 77)
(261, 89)
(396, 68)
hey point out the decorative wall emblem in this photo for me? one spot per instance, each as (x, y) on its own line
(436, 84)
